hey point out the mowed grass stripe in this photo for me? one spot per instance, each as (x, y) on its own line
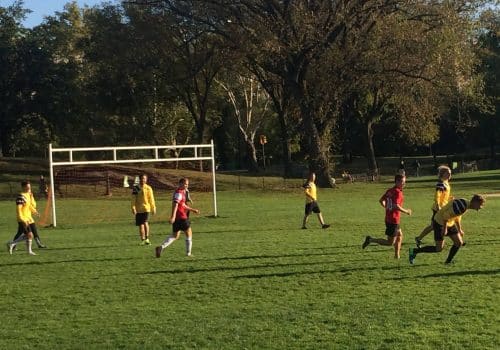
(256, 281)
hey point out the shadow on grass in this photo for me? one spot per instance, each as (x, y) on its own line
(62, 261)
(342, 270)
(452, 274)
(80, 247)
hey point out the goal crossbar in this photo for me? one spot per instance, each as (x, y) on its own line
(117, 158)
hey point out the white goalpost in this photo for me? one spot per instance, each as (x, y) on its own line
(114, 155)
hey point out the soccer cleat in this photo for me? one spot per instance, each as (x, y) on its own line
(143, 242)
(463, 244)
(304, 228)
(418, 242)
(411, 255)
(325, 226)
(158, 251)
(42, 246)
(10, 247)
(366, 242)
(147, 241)
(449, 262)
(31, 253)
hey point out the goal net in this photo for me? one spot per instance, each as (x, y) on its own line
(89, 173)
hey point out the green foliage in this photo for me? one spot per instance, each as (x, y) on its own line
(256, 280)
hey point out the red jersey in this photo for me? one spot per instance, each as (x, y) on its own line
(180, 199)
(392, 197)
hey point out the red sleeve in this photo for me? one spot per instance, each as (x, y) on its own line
(398, 197)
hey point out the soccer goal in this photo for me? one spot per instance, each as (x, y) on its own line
(90, 164)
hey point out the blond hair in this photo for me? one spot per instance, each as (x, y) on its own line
(443, 170)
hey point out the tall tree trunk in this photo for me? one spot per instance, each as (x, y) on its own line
(370, 149)
(319, 161)
(285, 144)
(252, 155)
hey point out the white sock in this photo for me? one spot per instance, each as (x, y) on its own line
(189, 245)
(29, 243)
(167, 242)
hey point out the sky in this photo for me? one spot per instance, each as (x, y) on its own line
(42, 8)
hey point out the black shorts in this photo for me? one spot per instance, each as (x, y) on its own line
(391, 229)
(141, 218)
(21, 229)
(180, 225)
(438, 231)
(312, 207)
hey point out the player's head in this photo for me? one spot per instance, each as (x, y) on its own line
(311, 177)
(444, 172)
(26, 185)
(477, 202)
(400, 180)
(184, 183)
(143, 179)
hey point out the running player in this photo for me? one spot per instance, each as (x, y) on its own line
(447, 222)
(392, 201)
(179, 219)
(441, 197)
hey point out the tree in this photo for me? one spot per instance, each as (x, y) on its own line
(250, 107)
(12, 84)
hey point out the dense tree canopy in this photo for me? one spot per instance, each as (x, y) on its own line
(317, 77)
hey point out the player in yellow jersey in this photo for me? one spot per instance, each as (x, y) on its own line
(441, 196)
(26, 228)
(143, 203)
(447, 222)
(311, 202)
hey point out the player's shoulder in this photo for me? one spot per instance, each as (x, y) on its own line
(136, 189)
(21, 198)
(459, 206)
(441, 186)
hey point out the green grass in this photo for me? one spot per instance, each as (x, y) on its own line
(256, 281)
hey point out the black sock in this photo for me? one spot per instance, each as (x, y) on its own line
(453, 250)
(426, 249)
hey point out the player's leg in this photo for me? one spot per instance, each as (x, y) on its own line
(38, 241)
(176, 230)
(29, 239)
(390, 231)
(317, 211)
(457, 243)
(436, 248)
(307, 212)
(420, 237)
(189, 240)
(146, 233)
(398, 241)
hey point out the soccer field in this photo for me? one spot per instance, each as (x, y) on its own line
(256, 281)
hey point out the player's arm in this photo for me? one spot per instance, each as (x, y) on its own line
(403, 210)
(132, 205)
(197, 211)
(307, 191)
(175, 206)
(382, 201)
(33, 204)
(152, 201)
(439, 197)
(458, 224)
(444, 230)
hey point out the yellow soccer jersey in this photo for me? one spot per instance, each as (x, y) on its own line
(143, 200)
(26, 205)
(451, 212)
(442, 195)
(310, 191)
